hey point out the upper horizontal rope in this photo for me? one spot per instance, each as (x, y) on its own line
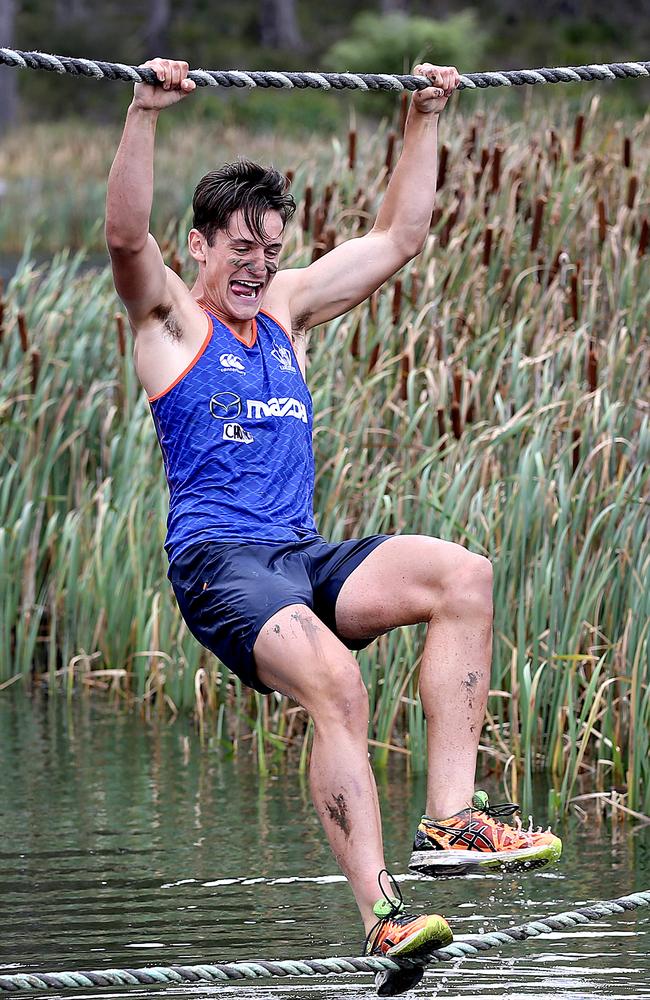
(471, 945)
(321, 81)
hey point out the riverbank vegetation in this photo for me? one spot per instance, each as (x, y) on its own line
(494, 394)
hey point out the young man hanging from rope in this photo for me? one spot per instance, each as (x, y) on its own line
(223, 364)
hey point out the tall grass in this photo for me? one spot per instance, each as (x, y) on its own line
(495, 394)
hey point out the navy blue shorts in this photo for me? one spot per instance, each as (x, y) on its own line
(227, 591)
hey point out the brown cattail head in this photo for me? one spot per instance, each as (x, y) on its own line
(306, 209)
(352, 148)
(495, 177)
(22, 331)
(540, 205)
(404, 375)
(487, 246)
(177, 264)
(327, 198)
(319, 222)
(290, 175)
(374, 357)
(632, 188)
(415, 287)
(354, 343)
(602, 221)
(457, 379)
(578, 133)
(575, 450)
(574, 297)
(442, 166)
(121, 339)
(592, 367)
(627, 152)
(374, 306)
(329, 238)
(403, 111)
(456, 425)
(440, 414)
(35, 366)
(390, 151)
(397, 302)
(644, 238)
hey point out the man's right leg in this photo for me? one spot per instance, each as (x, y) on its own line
(296, 654)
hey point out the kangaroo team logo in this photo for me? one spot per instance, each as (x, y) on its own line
(284, 357)
(225, 406)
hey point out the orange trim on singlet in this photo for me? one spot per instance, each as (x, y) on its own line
(230, 330)
(182, 375)
(288, 336)
(277, 322)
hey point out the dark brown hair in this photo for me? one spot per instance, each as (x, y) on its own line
(244, 186)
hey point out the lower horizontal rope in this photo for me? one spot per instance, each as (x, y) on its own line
(322, 81)
(469, 946)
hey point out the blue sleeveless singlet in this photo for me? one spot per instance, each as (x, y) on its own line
(235, 431)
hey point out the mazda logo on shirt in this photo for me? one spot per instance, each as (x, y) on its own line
(225, 406)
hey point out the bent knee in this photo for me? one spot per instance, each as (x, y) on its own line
(468, 591)
(340, 696)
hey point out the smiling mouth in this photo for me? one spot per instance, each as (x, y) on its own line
(246, 289)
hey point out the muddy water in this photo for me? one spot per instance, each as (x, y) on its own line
(130, 844)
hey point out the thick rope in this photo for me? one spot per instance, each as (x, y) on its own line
(469, 946)
(321, 81)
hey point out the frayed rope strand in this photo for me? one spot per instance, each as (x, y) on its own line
(321, 81)
(470, 945)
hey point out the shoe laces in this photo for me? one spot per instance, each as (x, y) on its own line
(386, 909)
(515, 831)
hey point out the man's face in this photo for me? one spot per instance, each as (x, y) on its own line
(239, 266)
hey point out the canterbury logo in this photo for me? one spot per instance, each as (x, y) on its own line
(231, 362)
(285, 407)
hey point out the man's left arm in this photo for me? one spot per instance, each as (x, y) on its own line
(352, 271)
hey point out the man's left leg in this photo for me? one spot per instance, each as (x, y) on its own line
(410, 579)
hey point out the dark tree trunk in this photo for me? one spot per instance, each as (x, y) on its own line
(394, 6)
(279, 25)
(8, 75)
(156, 39)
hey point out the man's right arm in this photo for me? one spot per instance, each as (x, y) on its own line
(139, 272)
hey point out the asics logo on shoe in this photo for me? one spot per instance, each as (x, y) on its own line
(230, 362)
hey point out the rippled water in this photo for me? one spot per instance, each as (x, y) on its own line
(128, 843)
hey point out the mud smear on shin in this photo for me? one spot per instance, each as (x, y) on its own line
(337, 811)
(469, 686)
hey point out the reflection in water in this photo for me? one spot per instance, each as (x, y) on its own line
(129, 844)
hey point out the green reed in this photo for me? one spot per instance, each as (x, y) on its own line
(497, 398)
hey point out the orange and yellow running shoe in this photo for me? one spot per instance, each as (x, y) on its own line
(476, 839)
(403, 937)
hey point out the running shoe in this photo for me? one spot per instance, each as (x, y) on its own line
(406, 938)
(476, 839)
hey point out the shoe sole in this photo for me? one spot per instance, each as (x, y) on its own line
(435, 863)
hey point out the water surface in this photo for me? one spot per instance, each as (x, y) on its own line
(127, 843)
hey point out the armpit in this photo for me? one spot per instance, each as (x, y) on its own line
(299, 324)
(165, 315)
